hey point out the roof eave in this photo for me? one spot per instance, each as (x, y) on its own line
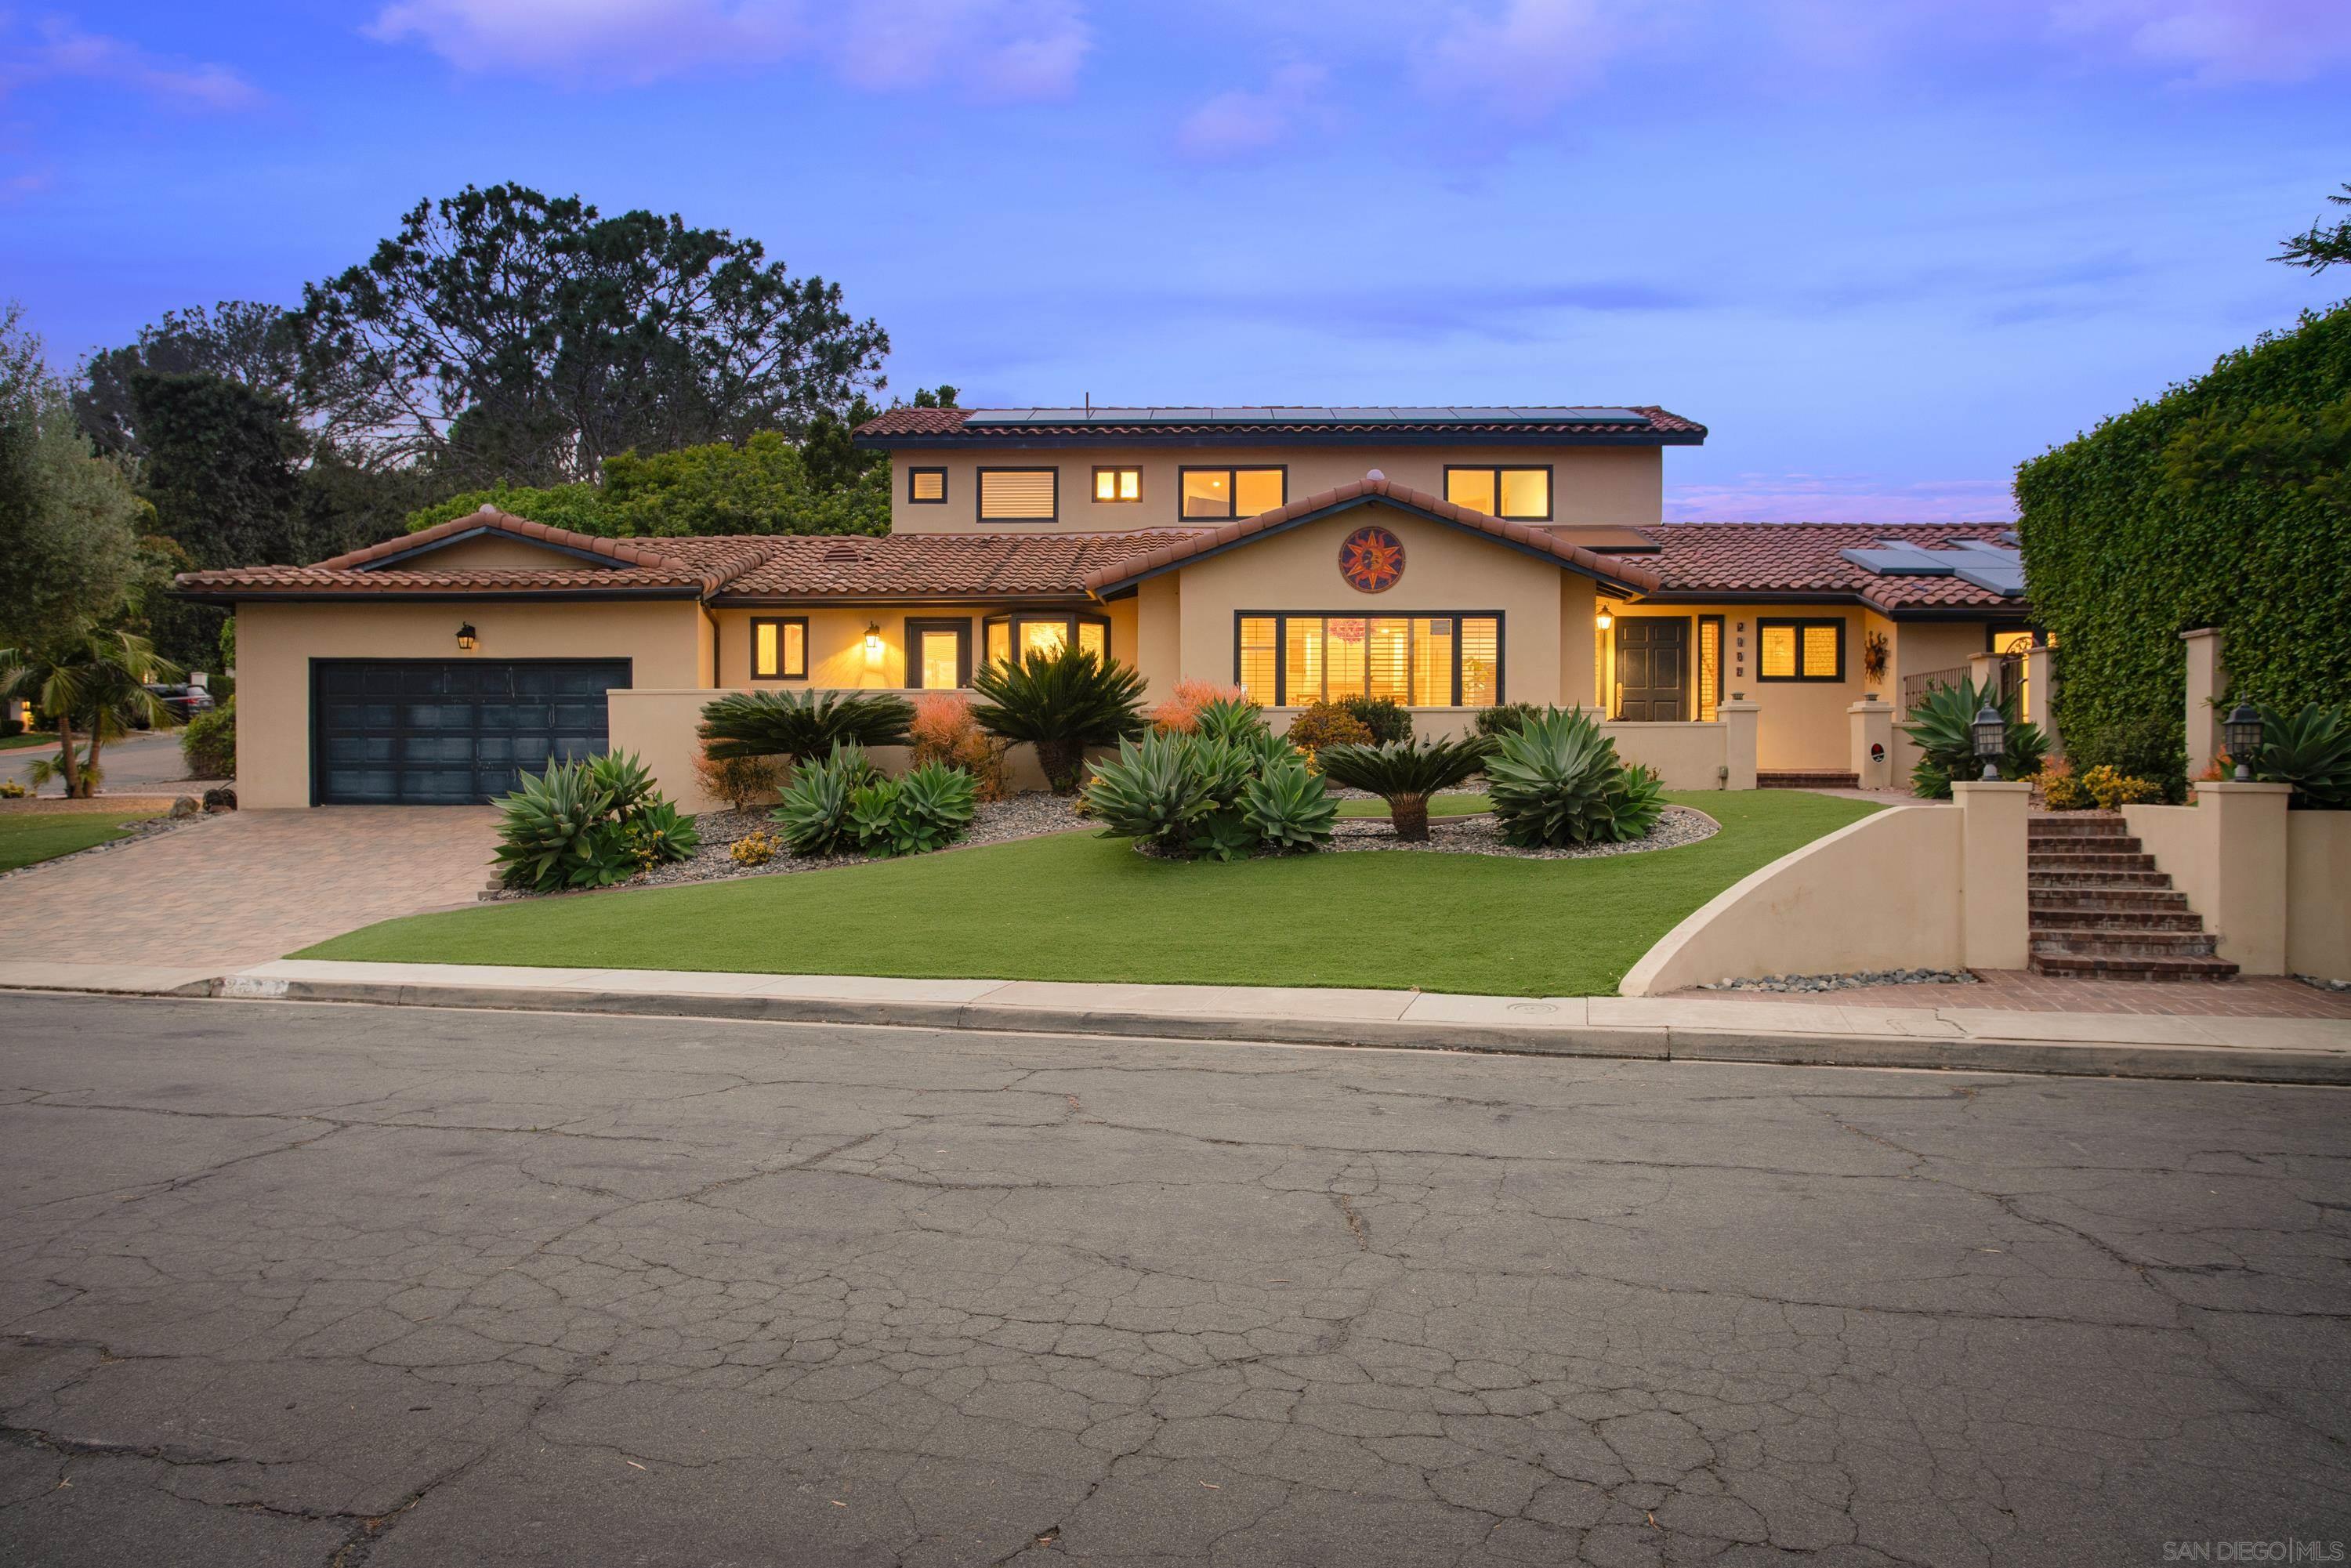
(1009, 438)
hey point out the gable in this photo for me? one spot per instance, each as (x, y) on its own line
(488, 549)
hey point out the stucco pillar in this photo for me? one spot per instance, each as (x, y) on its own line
(1994, 926)
(1873, 742)
(1983, 669)
(1739, 717)
(2207, 679)
(2040, 687)
(2244, 855)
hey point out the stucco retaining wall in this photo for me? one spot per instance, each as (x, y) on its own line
(1881, 894)
(2319, 894)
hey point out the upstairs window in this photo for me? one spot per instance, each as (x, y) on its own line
(1522, 494)
(927, 487)
(1118, 483)
(1019, 495)
(1800, 650)
(1233, 492)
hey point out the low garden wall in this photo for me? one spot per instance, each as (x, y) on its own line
(1685, 756)
(2319, 894)
(1881, 894)
(2270, 883)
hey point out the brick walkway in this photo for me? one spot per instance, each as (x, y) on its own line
(247, 887)
(2018, 990)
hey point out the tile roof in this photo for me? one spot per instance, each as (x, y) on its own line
(1762, 558)
(943, 566)
(942, 426)
(1627, 575)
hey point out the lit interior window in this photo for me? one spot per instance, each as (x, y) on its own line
(1256, 659)
(1420, 661)
(927, 485)
(1800, 650)
(941, 656)
(1521, 493)
(1526, 492)
(1118, 483)
(778, 649)
(1042, 637)
(1709, 668)
(1777, 660)
(1232, 492)
(1017, 494)
(1470, 487)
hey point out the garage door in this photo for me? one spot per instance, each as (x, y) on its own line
(449, 732)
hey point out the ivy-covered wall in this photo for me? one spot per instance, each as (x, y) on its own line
(2121, 555)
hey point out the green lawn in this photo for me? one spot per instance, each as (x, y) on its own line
(1077, 907)
(1439, 806)
(26, 741)
(27, 838)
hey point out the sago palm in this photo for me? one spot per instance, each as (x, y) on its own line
(1061, 703)
(802, 726)
(1406, 773)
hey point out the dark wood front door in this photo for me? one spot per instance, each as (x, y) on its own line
(1653, 661)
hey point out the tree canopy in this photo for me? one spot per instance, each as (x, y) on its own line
(2321, 248)
(67, 516)
(504, 336)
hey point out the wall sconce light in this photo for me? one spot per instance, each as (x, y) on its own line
(465, 638)
(2241, 733)
(872, 640)
(1605, 618)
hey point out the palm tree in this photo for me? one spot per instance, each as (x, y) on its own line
(93, 682)
(1060, 703)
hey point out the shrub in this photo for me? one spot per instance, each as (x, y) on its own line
(1943, 726)
(2141, 743)
(1061, 703)
(2113, 790)
(586, 823)
(220, 797)
(1180, 714)
(1327, 723)
(926, 810)
(1557, 780)
(945, 731)
(209, 743)
(1388, 720)
(658, 835)
(2061, 788)
(1508, 719)
(802, 726)
(1150, 791)
(757, 847)
(1290, 809)
(1193, 795)
(627, 783)
(813, 810)
(1405, 774)
(740, 781)
(2309, 750)
(1234, 718)
(12, 790)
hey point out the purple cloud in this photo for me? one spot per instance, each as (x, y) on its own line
(993, 49)
(1244, 123)
(1840, 498)
(60, 50)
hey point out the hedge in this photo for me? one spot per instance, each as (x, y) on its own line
(2120, 558)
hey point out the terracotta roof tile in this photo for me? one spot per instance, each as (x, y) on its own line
(1802, 558)
(1631, 575)
(900, 425)
(943, 566)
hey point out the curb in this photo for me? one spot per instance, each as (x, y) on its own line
(1664, 1043)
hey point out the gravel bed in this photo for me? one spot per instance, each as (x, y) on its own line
(996, 822)
(2324, 985)
(1482, 835)
(1851, 982)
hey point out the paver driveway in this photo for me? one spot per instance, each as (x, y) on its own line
(403, 1288)
(246, 888)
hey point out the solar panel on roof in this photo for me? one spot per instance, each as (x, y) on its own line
(1299, 415)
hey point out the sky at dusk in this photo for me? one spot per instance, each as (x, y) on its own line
(1884, 250)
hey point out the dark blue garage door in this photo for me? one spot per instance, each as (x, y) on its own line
(449, 732)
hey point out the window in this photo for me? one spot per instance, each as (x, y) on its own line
(779, 648)
(1523, 494)
(1045, 632)
(1421, 661)
(1800, 650)
(1709, 668)
(1118, 483)
(1019, 495)
(1232, 492)
(927, 487)
(938, 655)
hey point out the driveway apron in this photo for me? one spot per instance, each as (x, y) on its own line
(246, 888)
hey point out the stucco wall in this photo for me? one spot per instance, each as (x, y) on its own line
(1920, 647)
(1802, 726)
(1447, 570)
(1876, 894)
(277, 643)
(2319, 894)
(837, 656)
(1589, 484)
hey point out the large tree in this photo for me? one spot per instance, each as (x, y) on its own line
(223, 468)
(2322, 246)
(67, 516)
(504, 335)
(238, 340)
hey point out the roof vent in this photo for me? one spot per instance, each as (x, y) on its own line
(844, 552)
(1373, 475)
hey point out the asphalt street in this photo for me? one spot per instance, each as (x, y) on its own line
(341, 1285)
(137, 764)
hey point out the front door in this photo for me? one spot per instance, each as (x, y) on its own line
(1652, 667)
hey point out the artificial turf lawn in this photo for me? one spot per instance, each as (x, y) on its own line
(1439, 806)
(47, 835)
(26, 741)
(1078, 907)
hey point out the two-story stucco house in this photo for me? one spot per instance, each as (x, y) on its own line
(1453, 558)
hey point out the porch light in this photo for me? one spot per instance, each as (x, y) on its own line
(465, 638)
(1605, 618)
(873, 638)
(2241, 732)
(1991, 739)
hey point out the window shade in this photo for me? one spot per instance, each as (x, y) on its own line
(929, 485)
(1017, 494)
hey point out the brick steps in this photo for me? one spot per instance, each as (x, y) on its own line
(1807, 780)
(2098, 909)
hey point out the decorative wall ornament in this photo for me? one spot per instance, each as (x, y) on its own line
(1873, 656)
(1372, 560)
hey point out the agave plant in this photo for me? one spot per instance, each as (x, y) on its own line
(1234, 719)
(813, 812)
(1943, 726)
(553, 828)
(1406, 773)
(658, 832)
(802, 726)
(1550, 780)
(929, 808)
(1629, 806)
(1152, 791)
(1061, 703)
(627, 784)
(1289, 806)
(2309, 750)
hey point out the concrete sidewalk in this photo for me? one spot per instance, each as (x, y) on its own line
(2279, 1049)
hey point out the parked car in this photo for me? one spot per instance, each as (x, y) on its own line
(184, 701)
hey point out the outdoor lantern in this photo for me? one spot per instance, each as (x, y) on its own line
(1991, 739)
(873, 638)
(466, 637)
(2243, 732)
(1605, 620)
